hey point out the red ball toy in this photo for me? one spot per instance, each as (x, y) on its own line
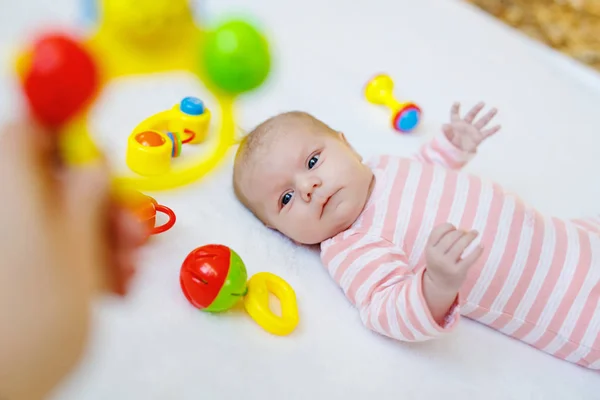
(60, 79)
(213, 278)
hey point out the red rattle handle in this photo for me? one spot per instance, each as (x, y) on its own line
(167, 225)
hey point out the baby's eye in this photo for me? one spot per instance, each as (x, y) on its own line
(286, 198)
(313, 160)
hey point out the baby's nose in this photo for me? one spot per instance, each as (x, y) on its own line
(308, 193)
(308, 188)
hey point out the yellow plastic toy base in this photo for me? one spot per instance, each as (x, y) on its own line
(175, 121)
(149, 160)
(256, 303)
(79, 148)
(156, 160)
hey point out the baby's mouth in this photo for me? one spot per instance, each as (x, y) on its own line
(323, 205)
(326, 202)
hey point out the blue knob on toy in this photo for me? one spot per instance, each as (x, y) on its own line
(192, 106)
(407, 118)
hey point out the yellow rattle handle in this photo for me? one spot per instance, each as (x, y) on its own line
(256, 303)
(76, 145)
(379, 91)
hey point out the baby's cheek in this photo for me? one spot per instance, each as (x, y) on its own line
(344, 215)
(299, 228)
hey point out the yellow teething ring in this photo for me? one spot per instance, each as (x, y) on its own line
(256, 303)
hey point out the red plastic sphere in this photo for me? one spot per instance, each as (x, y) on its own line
(203, 274)
(61, 79)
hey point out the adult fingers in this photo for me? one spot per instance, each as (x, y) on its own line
(86, 213)
(30, 152)
(87, 191)
(129, 235)
(129, 230)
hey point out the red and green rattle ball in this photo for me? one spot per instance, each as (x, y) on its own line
(213, 278)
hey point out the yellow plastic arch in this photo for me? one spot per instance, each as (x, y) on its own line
(78, 147)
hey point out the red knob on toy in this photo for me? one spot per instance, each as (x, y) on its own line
(213, 278)
(59, 79)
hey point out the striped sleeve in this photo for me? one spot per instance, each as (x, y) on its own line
(441, 151)
(374, 276)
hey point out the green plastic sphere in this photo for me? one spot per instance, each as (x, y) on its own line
(233, 288)
(236, 57)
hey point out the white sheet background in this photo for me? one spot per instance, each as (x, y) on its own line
(154, 345)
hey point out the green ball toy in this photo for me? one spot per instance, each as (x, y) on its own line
(236, 57)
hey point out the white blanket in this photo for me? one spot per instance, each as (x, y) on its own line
(155, 345)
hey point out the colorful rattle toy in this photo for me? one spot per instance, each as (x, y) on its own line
(405, 116)
(160, 137)
(62, 75)
(213, 278)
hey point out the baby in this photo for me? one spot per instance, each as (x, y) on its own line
(415, 243)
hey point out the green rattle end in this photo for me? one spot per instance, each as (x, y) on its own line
(234, 288)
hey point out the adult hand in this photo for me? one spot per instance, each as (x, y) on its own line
(62, 239)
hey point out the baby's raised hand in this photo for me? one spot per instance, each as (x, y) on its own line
(465, 133)
(446, 268)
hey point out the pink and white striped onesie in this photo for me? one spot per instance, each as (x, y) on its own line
(538, 279)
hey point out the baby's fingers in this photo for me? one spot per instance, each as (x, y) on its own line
(449, 240)
(455, 112)
(461, 245)
(474, 111)
(483, 121)
(439, 232)
(489, 132)
(469, 260)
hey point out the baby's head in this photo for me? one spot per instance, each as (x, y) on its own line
(300, 177)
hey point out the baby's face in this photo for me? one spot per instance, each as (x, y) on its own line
(307, 185)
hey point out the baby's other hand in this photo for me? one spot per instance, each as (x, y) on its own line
(446, 268)
(465, 133)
